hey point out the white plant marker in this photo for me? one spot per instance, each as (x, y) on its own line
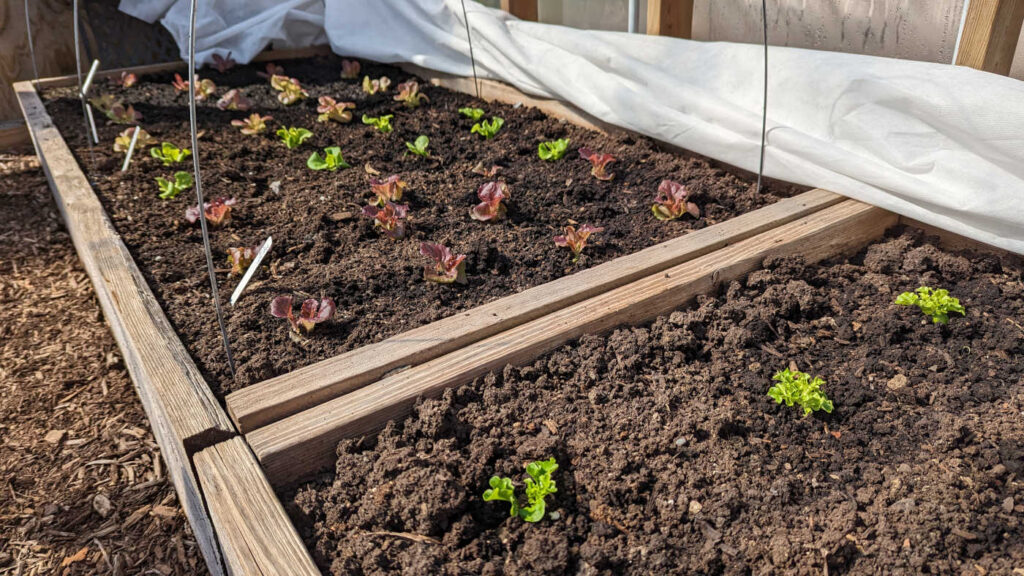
(92, 123)
(264, 250)
(88, 79)
(131, 149)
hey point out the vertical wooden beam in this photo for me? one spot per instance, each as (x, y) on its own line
(670, 18)
(522, 9)
(990, 35)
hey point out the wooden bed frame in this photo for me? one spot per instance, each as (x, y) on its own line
(225, 468)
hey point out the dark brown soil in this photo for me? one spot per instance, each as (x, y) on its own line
(322, 247)
(675, 461)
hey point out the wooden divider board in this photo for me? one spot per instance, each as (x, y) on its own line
(294, 448)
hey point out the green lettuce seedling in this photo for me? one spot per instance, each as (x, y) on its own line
(488, 129)
(795, 387)
(473, 114)
(171, 188)
(554, 150)
(538, 486)
(169, 153)
(419, 147)
(935, 303)
(331, 160)
(381, 123)
(293, 137)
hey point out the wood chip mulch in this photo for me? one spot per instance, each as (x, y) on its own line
(83, 488)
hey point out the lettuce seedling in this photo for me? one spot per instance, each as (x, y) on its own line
(419, 147)
(490, 207)
(169, 153)
(179, 83)
(234, 100)
(473, 114)
(539, 486)
(599, 163)
(218, 212)
(381, 123)
(329, 110)
(935, 303)
(409, 94)
(125, 80)
(124, 140)
(576, 239)
(389, 218)
(311, 313)
(120, 114)
(289, 91)
(240, 258)
(447, 267)
(553, 150)
(372, 87)
(223, 63)
(170, 189)
(204, 87)
(672, 202)
(485, 172)
(795, 387)
(387, 190)
(350, 69)
(253, 124)
(331, 160)
(271, 71)
(293, 137)
(488, 129)
(103, 102)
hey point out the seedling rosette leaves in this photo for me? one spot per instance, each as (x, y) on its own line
(672, 201)
(490, 207)
(381, 123)
(330, 110)
(388, 219)
(473, 114)
(934, 303)
(539, 486)
(205, 88)
(240, 257)
(598, 163)
(120, 114)
(310, 314)
(234, 100)
(350, 69)
(125, 80)
(372, 87)
(252, 124)
(170, 189)
(223, 63)
(795, 387)
(553, 150)
(575, 239)
(271, 70)
(180, 84)
(124, 140)
(331, 160)
(293, 137)
(419, 146)
(289, 91)
(104, 102)
(169, 153)
(387, 190)
(409, 94)
(218, 212)
(487, 129)
(447, 267)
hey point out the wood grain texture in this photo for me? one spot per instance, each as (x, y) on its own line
(670, 18)
(51, 33)
(522, 9)
(990, 35)
(182, 410)
(256, 535)
(300, 445)
(14, 135)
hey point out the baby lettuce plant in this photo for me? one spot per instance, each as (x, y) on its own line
(576, 239)
(170, 189)
(293, 137)
(311, 313)
(350, 69)
(419, 146)
(120, 114)
(271, 70)
(598, 163)
(672, 202)
(490, 207)
(372, 87)
(539, 486)
(234, 100)
(124, 140)
(180, 84)
(331, 160)
(253, 124)
(935, 303)
(447, 267)
(795, 387)
(104, 102)
(289, 91)
(473, 114)
(329, 110)
(488, 129)
(553, 150)
(125, 80)
(205, 88)
(218, 212)
(388, 218)
(169, 153)
(381, 123)
(409, 94)
(223, 63)
(240, 258)
(387, 190)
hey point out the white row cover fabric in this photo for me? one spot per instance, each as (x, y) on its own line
(938, 143)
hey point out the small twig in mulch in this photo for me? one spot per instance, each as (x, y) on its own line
(403, 535)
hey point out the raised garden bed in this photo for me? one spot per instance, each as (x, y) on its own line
(673, 458)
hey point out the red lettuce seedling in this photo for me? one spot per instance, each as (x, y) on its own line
(234, 100)
(223, 64)
(387, 190)
(119, 114)
(240, 258)
(289, 91)
(350, 69)
(409, 94)
(672, 202)
(576, 239)
(490, 207)
(271, 71)
(337, 111)
(447, 267)
(253, 124)
(389, 218)
(218, 212)
(180, 84)
(125, 80)
(599, 163)
(124, 140)
(204, 88)
(372, 87)
(311, 313)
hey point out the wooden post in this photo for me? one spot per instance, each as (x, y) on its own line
(990, 35)
(670, 18)
(522, 9)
